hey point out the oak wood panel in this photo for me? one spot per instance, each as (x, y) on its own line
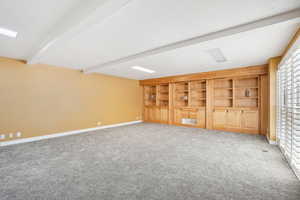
(264, 105)
(250, 120)
(201, 117)
(152, 114)
(213, 103)
(171, 103)
(233, 119)
(236, 120)
(219, 119)
(209, 103)
(240, 130)
(164, 114)
(146, 114)
(273, 65)
(244, 71)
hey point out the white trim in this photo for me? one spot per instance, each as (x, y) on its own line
(75, 132)
(272, 142)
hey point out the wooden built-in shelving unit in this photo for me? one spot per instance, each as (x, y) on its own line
(197, 93)
(223, 93)
(228, 100)
(247, 92)
(150, 95)
(163, 95)
(156, 103)
(240, 92)
(236, 104)
(181, 94)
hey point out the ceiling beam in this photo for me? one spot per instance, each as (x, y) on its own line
(202, 38)
(81, 17)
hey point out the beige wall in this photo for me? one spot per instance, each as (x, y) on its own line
(39, 99)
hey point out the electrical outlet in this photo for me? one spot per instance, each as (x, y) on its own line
(2, 137)
(11, 135)
(138, 117)
(18, 134)
(99, 123)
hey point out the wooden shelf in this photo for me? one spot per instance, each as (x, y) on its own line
(197, 94)
(223, 97)
(197, 91)
(250, 87)
(223, 93)
(198, 106)
(246, 97)
(246, 92)
(150, 95)
(163, 95)
(223, 88)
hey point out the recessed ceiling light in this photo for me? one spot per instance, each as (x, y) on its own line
(143, 69)
(217, 55)
(8, 33)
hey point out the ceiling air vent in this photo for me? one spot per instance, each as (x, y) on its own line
(217, 55)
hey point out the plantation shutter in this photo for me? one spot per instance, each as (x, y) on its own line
(296, 133)
(288, 110)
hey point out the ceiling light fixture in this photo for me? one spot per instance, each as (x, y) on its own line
(143, 69)
(217, 55)
(8, 33)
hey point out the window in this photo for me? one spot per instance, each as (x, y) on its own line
(288, 109)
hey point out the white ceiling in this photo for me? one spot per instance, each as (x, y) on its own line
(81, 34)
(32, 19)
(245, 49)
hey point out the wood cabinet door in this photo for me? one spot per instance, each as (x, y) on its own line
(233, 119)
(164, 115)
(157, 116)
(219, 118)
(152, 114)
(201, 116)
(250, 119)
(177, 116)
(146, 114)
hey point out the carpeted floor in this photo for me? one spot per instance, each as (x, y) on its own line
(147, 161)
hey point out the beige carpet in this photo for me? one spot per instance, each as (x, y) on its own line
(147, 161)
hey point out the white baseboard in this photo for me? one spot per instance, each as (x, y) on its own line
(75, 132)
(272, 142)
